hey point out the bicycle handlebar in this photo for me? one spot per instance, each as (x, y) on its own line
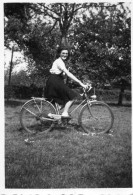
(88, 89)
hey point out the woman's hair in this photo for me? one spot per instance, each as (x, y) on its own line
(60, 49)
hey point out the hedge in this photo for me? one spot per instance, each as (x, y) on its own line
(23, 92)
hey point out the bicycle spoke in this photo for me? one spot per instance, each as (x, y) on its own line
(98, 118)
(33, 116)
(30, 111)
(41, 105)
(37, 105)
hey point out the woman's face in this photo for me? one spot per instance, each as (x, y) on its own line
(64, 55)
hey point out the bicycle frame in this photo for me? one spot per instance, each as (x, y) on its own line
(84, 101)
(58, 110)
(56, 107)
(78, 106)
(53, 113)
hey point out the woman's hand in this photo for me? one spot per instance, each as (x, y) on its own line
(83, 85)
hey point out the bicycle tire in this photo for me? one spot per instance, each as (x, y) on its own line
(31, 113)
(96, 118)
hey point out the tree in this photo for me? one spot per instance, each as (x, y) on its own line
(104, 45)
(39, 28)
(61, 16)
(13, 48)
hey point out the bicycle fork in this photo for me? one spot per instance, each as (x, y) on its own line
(89, 107)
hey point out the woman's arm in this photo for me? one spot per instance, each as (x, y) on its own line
(70, 75)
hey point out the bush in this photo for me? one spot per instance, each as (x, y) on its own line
(110, 95)
(107, 94)
(22, 92)
(9, 92)
(127, 96)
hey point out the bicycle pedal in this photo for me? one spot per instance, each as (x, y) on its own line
(54, 116)
(64, 120)
(62, 125)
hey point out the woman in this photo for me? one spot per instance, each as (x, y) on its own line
(56, 89)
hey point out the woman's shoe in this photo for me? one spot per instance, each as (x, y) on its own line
(66, 117)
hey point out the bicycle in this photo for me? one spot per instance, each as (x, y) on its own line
(95, 117)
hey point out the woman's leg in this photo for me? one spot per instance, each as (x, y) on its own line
(66, 108)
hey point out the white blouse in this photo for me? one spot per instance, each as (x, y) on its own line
(58, 66)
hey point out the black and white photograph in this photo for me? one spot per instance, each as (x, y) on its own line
(67, 97)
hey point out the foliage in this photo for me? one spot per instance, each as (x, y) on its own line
(16, 20)
(97, 33)
(22, 91)
(103, 45)
(61, 14)
(21, 78)
(42, 48)
(36, 33)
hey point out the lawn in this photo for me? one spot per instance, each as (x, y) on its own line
(68, 158)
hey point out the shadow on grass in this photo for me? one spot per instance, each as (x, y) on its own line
(117, 105)
(17, 102)
(125, 104)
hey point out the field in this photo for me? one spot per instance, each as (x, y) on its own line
(68, 158)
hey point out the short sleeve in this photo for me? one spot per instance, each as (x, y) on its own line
(57, 67)
(61, 65)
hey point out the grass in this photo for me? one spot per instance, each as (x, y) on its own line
(68, 158)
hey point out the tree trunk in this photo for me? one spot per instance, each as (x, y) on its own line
(64, 40)
(121, 94)
(123, 85)
(10, 73)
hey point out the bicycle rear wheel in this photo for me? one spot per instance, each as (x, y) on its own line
(97, 118)
(32, 113)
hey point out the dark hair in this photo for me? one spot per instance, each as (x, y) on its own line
(59, 50)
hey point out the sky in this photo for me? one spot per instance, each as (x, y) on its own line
(16, 55)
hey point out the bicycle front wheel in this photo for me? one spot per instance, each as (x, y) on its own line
(33, 115)
(96, 118)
